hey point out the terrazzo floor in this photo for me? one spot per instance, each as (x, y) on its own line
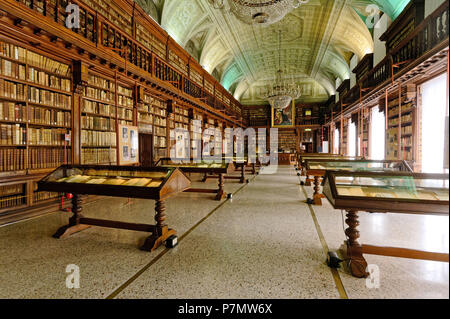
(263, 243)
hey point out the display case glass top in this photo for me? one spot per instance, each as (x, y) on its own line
(196, 165)
(388, 191)
(120, 181)
(356, 165)
(324, 156)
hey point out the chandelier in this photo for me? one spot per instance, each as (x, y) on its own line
(281, 93)
(258, 11)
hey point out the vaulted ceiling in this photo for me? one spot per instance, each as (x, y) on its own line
(317, 42)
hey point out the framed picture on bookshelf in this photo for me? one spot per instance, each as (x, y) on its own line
(129, 145)
(285, 117)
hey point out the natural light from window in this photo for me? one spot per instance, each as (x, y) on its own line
(433, 124)
(352, 139)
(377, 134)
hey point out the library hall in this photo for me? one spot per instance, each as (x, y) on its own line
(216, 157)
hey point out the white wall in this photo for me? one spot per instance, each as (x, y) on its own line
(380, 47)
(431, 5)
(353, 63)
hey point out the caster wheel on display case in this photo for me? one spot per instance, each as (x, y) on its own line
(172, 241)
(302, 183)
(230, 196)
(309, 201)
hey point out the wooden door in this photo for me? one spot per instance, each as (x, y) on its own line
(146, 149)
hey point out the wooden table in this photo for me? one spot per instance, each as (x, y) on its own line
(216, 169)
(166, 183)
(385, 192)
(240, 165)
(311, 156)
(318, 167)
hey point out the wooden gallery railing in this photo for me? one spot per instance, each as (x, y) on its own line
(427, 35)
(101, 32)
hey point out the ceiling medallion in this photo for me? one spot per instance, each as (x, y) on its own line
(261, 12)
(282, 92)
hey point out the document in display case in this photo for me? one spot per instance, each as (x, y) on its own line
(157, 183)
(318, 167)
(393, 192)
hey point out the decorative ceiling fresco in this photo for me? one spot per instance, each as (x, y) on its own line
(318, 39)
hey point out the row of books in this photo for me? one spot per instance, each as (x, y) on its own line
(124, 122)
(43, 62)
(10, 190)
(42, 96)
(160, 131)
(12, 90)
(98, 156)
(405, 118)
(145, 117)
(100, 94)
(12, 159)
(160, 141)
(98, 123)
(10, 111)
(12, 201)
(124, 91)
(12, 134)
(42, 78)
(34, 59)
(96, 138)
(405, 108)
(160, 121)
(98, 108)
(48, 157)
(125, 101)
(42, 196)
(124, 113)
(101, 82)
(13, 52)
(13, 70)
(407, 141)
(47, 136)
(39, 115)
(407, 130)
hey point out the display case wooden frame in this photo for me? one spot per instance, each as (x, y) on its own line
(319, 173)
(240, 164)
(354, 204)
(194, 167)
(173, 182)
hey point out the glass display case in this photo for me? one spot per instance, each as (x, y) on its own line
(372, 190)
(318, 167)
(386, 192)
(208, 168)
(157, 183)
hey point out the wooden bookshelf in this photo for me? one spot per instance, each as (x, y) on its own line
(35, 119)
(401, 118)
(98, 121)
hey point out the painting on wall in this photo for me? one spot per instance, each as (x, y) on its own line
(285, 117)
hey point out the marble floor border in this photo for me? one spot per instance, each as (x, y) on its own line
(337, 279)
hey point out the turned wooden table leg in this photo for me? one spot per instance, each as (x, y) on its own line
(205, 177)
(242, 180)
(253, 169)
(356, 262)
(221, 192)
(307, 181)
(317, 198)
(161, 232)
(74, 225)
